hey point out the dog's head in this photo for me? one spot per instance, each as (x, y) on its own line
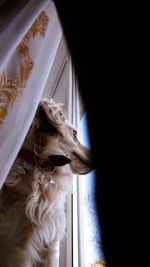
(53, 136)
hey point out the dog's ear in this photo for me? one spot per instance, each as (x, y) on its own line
(59, 160)
(53, 161)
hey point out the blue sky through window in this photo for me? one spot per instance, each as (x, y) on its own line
(91, 232)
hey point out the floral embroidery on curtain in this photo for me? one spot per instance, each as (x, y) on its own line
(12, 86)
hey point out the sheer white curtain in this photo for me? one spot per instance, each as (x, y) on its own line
(28, 45)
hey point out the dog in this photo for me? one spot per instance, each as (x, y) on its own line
(32, 200)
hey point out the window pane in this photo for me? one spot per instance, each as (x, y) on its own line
(91, 254)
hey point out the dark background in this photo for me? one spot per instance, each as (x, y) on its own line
(104, 40)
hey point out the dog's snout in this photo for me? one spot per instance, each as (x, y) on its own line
(90, 161)
(82, 161)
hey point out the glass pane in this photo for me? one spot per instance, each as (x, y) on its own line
(91, 254)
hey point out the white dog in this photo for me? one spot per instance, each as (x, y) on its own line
(32, 218)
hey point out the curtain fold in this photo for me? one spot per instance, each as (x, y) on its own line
(28, 45)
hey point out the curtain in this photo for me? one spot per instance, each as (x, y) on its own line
(29, 38)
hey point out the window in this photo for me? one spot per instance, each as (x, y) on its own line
(87, 250)
(82, 236)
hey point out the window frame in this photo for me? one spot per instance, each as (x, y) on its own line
(70, 247)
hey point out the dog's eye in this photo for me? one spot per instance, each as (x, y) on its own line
(74, 134)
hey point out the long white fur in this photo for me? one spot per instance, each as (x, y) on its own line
(32, 217)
